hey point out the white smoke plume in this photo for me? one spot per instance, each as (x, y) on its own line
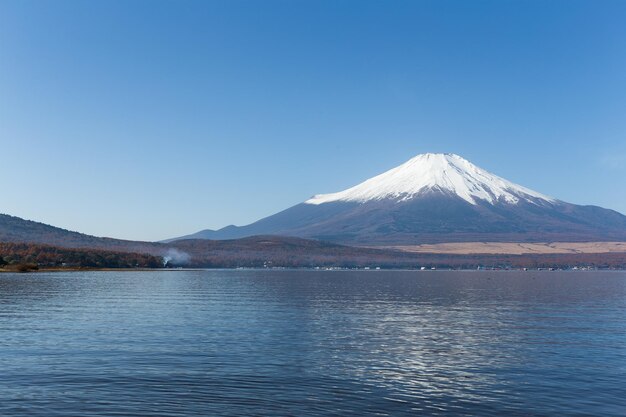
(175, 257)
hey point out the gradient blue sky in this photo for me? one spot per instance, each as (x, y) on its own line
(152, 119)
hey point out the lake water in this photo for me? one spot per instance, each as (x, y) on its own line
(204, 343)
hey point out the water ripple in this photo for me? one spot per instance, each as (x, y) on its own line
(231, 343)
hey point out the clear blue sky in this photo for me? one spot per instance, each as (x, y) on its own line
(148, 120)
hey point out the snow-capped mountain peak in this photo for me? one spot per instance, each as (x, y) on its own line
(448, 173)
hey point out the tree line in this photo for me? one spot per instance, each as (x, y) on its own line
(53, 256)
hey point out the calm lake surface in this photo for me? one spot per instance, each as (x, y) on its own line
(203, 343)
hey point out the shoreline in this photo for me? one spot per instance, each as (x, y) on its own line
(320, 269)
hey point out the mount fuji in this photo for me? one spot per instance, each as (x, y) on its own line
(434, 198)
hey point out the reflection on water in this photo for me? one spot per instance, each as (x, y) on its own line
(200, 343)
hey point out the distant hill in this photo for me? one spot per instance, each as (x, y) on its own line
(27, 241)
(277, 251)
(260, 251)
(17, 230)
(435, 198)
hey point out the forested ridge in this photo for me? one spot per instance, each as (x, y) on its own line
(53, 256)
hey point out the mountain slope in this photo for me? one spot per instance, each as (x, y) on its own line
(17, 230)
(435, 198)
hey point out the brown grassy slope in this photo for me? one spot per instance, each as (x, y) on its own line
(515, 248)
